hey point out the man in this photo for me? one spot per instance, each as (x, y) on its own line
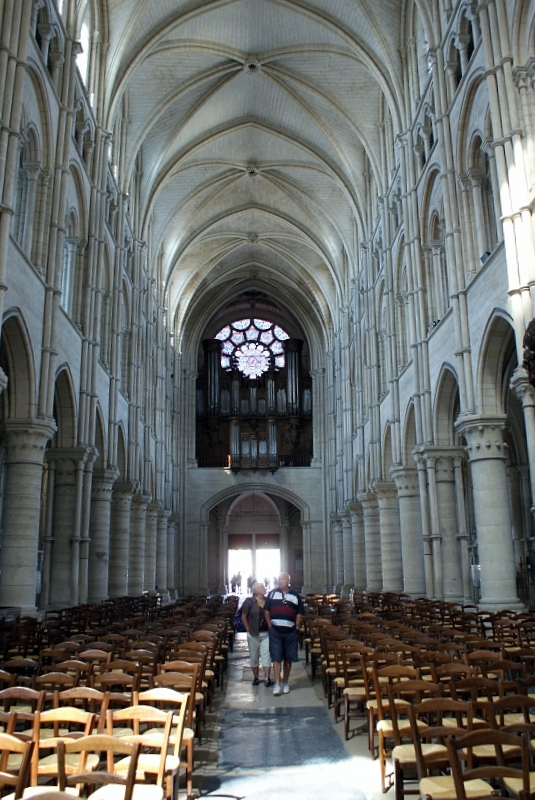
(283, 611)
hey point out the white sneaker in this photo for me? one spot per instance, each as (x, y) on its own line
(285, 688)
(277, 689)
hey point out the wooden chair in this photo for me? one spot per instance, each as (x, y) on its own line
(113, 785)
(23, 669)
(427, 736)
(185, 668)
(52, 682)
(15, 763)
(22, 699)
(79, 670)
(356, 692)
(183, 683)
(152, 730)
(429, 747)
(48, 729)
(88, 699)
(178, 703)
(394, 725)
(475, 781)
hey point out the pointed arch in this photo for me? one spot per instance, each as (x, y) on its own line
(17, 361)
(446, 407)
(65, 409)
(498, 343)
(100, 440)
(410, 439)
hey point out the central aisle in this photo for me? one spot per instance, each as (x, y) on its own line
(266, 745)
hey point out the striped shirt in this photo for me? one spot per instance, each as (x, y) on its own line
(284, 607)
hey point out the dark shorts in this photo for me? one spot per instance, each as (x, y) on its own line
(283, 644)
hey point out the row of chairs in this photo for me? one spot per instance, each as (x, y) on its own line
(374, 664)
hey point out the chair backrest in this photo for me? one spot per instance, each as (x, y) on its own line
(433, 713)
(97, 744)
(22, 697)
(169, 700)
(497, 770)
(86, 698)
(142, 719)
(405, 693)
(18, 777)
(383, 676)
(50, 727)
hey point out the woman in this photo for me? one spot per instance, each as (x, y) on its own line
(256, 626)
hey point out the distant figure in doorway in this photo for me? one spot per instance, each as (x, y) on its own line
(266, 583)
(284, 614)
(238, 582)
(255, 623)
(233, 583)
(250, 580)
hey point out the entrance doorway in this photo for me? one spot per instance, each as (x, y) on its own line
(262, 564)
(254, 526)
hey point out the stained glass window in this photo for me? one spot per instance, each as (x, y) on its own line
(252, 346)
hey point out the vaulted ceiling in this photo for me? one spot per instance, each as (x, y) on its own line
(252, 127)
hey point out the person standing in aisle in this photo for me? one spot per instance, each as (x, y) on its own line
(284, 611)
(254, 622)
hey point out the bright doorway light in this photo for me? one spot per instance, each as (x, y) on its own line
(268, 565)
(240, 561)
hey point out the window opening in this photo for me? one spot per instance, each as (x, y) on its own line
(252, 346)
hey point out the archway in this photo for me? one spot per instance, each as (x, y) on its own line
(266, 528)
(254, 528)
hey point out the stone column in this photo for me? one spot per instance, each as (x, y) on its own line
(372, 538)
(359, 546)
(410, 522)
(426, 529)
(349, 563)
(48, 533)
(66, 521)
(85, 521)
(436, 539)
(462, 533)
(25, 445)
(486, 453)
(136, 554)
(338, 553)
(526, 394)
(390, 535)
(99, 532)
(161, 553)
(121, 500)
(171, 557)
(446, 499)
(151, 542)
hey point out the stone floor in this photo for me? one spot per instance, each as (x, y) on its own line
(257, 745)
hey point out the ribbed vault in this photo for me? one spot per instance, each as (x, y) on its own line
(250, 131)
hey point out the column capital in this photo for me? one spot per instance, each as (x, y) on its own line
(484, 435)
(125, 487)
(26, 440)
(78, 455)
(153, 508)
(521, 385)
(368, 500)
(141, 499)
(406, 480)
(102, 483)
(354, 508)
(385, 490)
